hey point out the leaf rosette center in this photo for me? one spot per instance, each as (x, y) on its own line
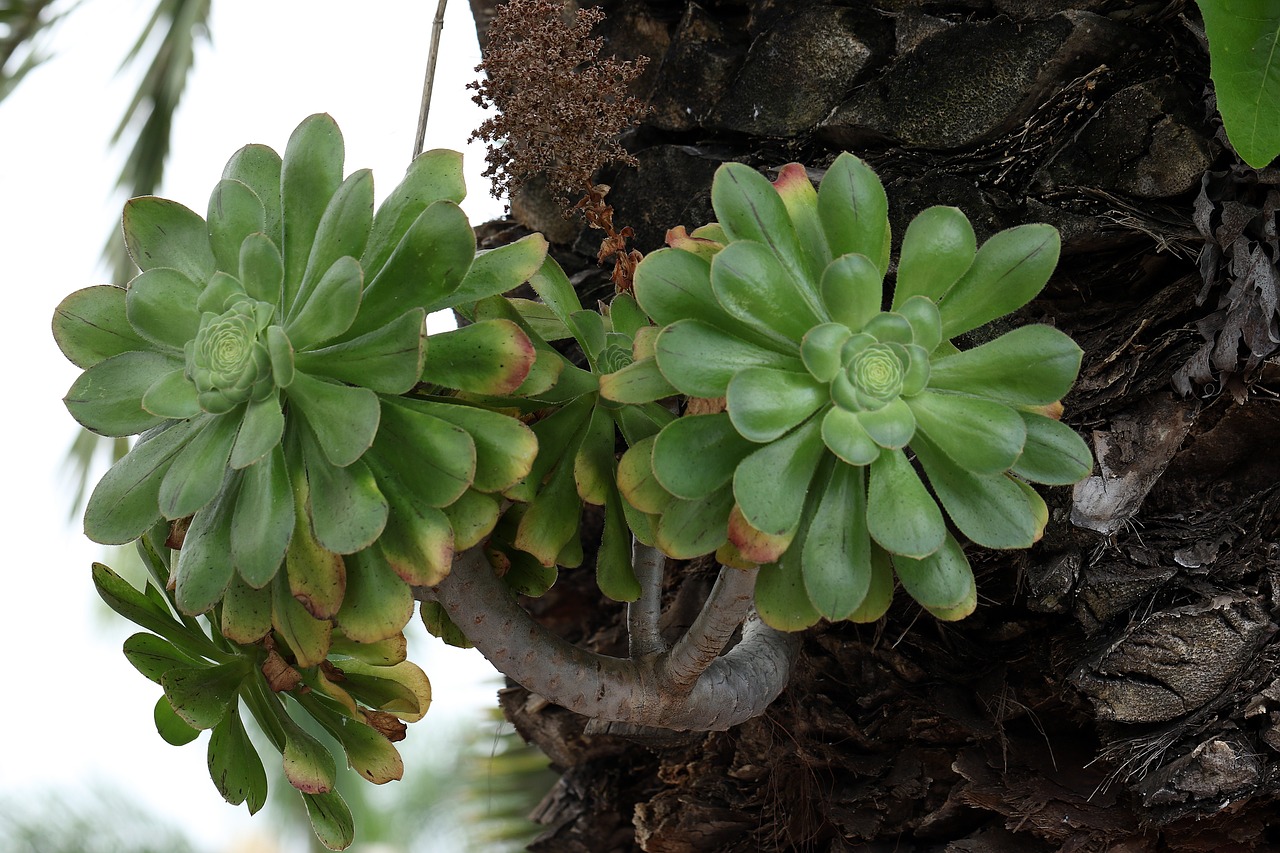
(877, 371)
(228, 359)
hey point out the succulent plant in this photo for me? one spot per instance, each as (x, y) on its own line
(777, 308)
(302, 450)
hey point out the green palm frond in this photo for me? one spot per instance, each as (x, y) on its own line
(24, 25)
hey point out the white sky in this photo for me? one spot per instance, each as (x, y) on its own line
(74, 712)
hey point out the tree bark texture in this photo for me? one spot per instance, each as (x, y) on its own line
(1117, 688)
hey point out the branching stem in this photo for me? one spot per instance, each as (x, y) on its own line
(729, 690)
(642, 614)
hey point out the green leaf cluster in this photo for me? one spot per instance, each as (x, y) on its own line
(1244, 59)
(778, 309)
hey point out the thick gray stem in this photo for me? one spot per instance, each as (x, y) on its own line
(643, 636)
(732, 688)
(729, 603)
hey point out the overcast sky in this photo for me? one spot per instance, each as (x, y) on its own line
(75, 714)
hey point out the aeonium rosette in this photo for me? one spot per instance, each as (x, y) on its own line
(777, 309)
(264, 352)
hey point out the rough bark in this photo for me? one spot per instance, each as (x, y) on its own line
(1117, 688)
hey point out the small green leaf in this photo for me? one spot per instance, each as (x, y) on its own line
(1053, 453)
(695, 455)
(553, 515)
(260, 431)
(161, 306)
(280, 352)
(766, 404)
(125, 503)
(246, 612)
(925, 321)
(472, 517)
(752, 285)
(202, 695)
(91, 325)
(438, 624)
(672, 285)
(801, 201)
(486, 357)
(258, 167)
(496, 271)
(594, 463)
(261, 269)
(153, 656)
(386, 652)
(636, 479)
(264, 519)
(901, 515)
(369, 753)
(1243, 36)
(505, 447)
(770, 485)
(880, 592)
(308, 764)
(387, 360)
(107, 398)
(852, 289)
(342, 233)
(120, 596)
(614, 572)
(307, 637)
(234, 765)
(327, 308)
(378, 603)
(891, 426)
(781, 599)
(1007, 273)
(942, 582)
(197, 473)
(310, 174)
(203, 570)
(937, 249)
(433, 176)
(989, 509)
(556, 291)
(691, 528)
(699, 360)
(748, 208)
(557, 435)
(982, 436)
(348, 512)
(1032, 365)
(836, 555)
(855, 211)
(402, 689)
(172, 396)
(344, 419)
(424, 270)
(235, 212)
(418, 541)
(172, 728)
(331, 820)
(425, 456)
(163, 233)
(820, 350)
(639, 382)
(844, 435)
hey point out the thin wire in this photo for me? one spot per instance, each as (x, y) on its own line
(436, 27)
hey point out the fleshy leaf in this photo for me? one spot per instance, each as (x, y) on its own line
(890, 426)
(925, 321)
(614, 573)
(781, 599)
(505, 447)
(172, 728)
(836, 556)
(308, 765)
(327, 308)
(801, 201)
(264, 519)
(125, 503)
(331, 819)
(499, 270)
(341, 233)
(699, 360)
(901, 515)
(344, 419)
(258, 167)
(942, 582)
(1007, 273)
(486, 357)
(639, 382)
(697, 454)
(161, 306)
(234, 765)
(347, 509)
(378, 603)
(1053, 454)
(855, 211)
(107, 398)
(852, 290)
(163, 233)
(260, 431)
(246, 612)
(552, 518)
(387, 360)
(937, 249)
(820, 350)
(91, 325)
(203, 570)
(1031, 365)
(172, 396)
(844, 435)
(989, 509)
(766, 404)
(594, 464)
(428, 457)
(472, 517)
(235, 212)
(153, 656)
(1246, 75)
(310, 174)
(261, 269)
(636, 479)
(690, 528)
(202, 695)
(748, 208)
(418, 541)
(981, 436)
(770, 485)
(751, 284)
(197, 472)
(880, 592)
(434, 175)
(306, 636)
